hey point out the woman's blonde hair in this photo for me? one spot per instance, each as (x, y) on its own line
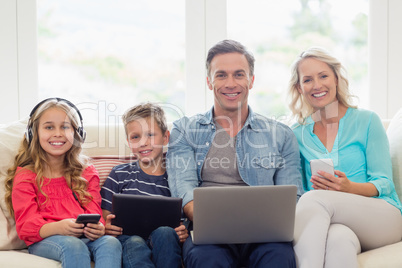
(299, 107)
(32, 157)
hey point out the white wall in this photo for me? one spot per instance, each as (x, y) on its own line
(8, 63)
(18, 59)
(205, 25)
(385, 44)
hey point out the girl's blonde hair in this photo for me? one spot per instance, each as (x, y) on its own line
(299, 107)
(32, 157)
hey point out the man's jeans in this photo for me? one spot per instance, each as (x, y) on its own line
(162, 249)
(256, 255)
(75, 252)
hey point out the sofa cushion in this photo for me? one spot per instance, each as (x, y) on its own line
(394, 133)
(384, 257)
(105, 140)
(11, 136)
(21, 258)
(104, 165)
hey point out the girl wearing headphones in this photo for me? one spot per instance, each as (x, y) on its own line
(50, 184)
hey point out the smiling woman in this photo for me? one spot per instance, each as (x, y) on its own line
(356, 142)
(318, 79)
(318, 83)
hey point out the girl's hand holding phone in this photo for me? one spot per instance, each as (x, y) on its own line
(64, 227)
(93, 231)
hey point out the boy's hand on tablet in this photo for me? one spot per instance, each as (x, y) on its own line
(110, 229)
(182, 233)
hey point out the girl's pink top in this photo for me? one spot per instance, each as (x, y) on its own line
(30, 212)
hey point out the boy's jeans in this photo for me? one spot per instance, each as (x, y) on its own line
(75, 252)
(162, 249)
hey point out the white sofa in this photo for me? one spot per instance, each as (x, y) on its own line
(107, 147)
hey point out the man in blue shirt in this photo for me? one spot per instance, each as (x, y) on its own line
(231, 145)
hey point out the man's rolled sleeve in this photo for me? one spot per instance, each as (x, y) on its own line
(290, 174)
(181, 164)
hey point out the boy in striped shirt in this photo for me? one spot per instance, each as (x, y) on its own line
(147, 133)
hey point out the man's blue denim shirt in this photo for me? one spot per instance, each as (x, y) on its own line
(267, 153)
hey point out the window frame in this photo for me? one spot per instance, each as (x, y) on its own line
(205, 25)
(18, 59)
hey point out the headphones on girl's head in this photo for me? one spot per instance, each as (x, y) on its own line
(80, 130)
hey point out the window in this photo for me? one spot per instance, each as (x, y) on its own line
(278, 31)
(106, 56)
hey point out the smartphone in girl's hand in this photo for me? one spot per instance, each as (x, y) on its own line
(88, 218)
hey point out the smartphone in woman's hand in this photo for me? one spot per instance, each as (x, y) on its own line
(325, 165)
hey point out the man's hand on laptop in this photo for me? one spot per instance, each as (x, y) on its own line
(189, 210)
(110, 229)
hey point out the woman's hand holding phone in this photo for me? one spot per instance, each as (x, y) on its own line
(325, 165)
(322, 173)
(324, 177)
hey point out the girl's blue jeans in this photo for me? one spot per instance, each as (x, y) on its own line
(78, 252)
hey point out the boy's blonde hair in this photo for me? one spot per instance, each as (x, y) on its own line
(299, 107)
(31, 156)
(143, 111)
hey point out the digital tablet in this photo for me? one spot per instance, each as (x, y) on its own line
(140, 214)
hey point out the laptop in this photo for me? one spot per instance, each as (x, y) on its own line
(140, 214)
(244, 214)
